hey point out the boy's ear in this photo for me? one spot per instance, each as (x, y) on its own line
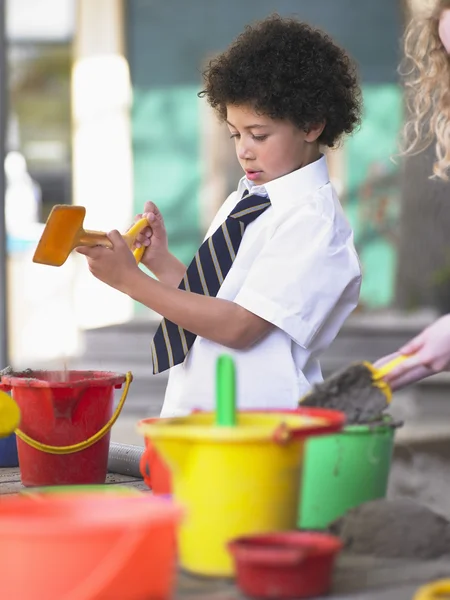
(314, 131)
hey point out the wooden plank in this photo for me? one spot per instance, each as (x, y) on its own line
(355, 578)
(9, 474)
(116, 478)
(8, 488)
(139, 485)
(10, 481)
(190, 587)
(357, 573)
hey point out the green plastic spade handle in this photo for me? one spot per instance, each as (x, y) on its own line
(225, 391)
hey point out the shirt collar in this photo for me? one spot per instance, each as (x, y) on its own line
(290, 188)
(251, 187)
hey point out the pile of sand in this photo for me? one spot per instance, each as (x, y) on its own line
(352, 392)
(394, 529)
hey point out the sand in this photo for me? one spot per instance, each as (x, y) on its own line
(352, 392)
(394, 529)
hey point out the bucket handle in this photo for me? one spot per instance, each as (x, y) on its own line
(282, 434)
(86, 443)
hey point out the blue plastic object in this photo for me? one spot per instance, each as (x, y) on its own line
(8, 452)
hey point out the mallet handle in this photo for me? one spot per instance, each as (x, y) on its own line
(94, 238)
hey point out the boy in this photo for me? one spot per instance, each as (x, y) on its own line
(277, 274)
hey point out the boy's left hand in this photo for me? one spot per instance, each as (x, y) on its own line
(112, 266)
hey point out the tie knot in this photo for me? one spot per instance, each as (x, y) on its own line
(249, 207)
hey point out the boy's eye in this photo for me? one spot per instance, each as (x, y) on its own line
(257, 138)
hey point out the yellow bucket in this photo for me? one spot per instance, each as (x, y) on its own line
(233, 481)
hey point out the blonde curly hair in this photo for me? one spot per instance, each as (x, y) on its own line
(426, 71)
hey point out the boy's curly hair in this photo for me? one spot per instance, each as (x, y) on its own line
(287, 70)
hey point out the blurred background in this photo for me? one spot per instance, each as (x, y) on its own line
(98, 107)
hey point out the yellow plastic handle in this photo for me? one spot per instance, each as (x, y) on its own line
(138, 253)
(387, 368)
(131, 235)
(86, 443)
(433, 591)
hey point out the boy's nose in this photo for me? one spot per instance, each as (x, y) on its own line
(244, 152)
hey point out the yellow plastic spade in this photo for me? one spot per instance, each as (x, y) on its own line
(434, 591)
(379, 372)
(64, 231)
(9, 415)
(339, 384)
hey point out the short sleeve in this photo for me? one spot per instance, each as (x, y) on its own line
(302, 275)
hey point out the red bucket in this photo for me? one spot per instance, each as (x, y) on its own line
(66, 417)
(285, 565)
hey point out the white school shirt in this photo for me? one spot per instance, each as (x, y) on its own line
(296, 268)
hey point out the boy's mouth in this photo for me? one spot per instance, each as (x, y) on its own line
(250, 174)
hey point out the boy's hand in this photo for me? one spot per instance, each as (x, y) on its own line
(114, 266)
(154, 238)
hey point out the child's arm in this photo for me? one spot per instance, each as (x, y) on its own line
(170, 270)
(218, 320)
(157, 258)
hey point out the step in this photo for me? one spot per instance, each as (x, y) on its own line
(363, 337)
(373, 335)
(146, 394)
(132, 339)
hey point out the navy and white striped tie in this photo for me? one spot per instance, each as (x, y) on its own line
(205, 275)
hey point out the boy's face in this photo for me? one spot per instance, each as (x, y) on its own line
(268, 148)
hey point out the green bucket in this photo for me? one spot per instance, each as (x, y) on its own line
(343, 470)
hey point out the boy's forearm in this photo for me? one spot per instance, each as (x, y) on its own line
(171, 271)
(212, 318)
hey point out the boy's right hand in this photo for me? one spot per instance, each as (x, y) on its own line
(153, 237)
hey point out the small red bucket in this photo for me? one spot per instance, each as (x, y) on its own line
(285, 565)
(66, 417)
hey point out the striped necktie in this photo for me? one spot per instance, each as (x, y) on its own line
(205, 275)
